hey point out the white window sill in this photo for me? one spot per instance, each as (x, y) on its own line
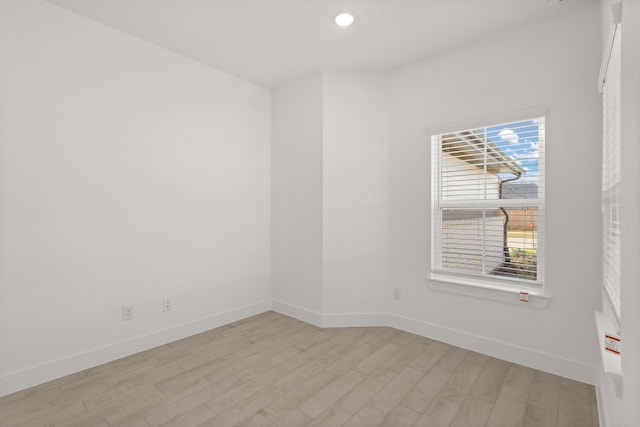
(610, 361)
(488, 291)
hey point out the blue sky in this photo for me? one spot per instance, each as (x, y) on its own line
(519, 140)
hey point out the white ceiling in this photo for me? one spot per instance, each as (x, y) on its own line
(270, 42)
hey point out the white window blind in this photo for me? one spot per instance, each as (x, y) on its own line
(611, 175)
(488, 203)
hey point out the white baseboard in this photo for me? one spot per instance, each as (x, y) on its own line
(338, 320)
(19, 380)
(309, 316)
(554, 364)
(329, 320)
(547, 362)
(532, 358)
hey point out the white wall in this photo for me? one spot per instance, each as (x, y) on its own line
(630, 292)
(553, 63)
(329, 212)
(128, 174)
(297, 196)
(355, 193)
(620, 407)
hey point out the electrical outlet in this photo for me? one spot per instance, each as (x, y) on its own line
(397, 293)
(127, 312)
(167, 304)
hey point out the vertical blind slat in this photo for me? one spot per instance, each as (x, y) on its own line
(611, 168)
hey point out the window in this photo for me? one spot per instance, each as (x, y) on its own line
(611, 159)
(488, 204)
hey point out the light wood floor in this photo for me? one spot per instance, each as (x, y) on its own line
(272, 370)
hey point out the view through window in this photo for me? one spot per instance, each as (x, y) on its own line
(488, 202)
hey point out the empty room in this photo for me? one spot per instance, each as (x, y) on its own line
(319, 213)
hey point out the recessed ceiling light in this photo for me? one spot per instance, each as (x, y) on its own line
(344, 19)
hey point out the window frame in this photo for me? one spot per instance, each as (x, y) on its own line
(485, 286)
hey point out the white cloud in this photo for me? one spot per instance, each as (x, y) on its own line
(527, 155)
(509, 135)
(530, 176)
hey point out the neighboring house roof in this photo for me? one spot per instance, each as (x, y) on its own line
(469, 146)
(520, 190)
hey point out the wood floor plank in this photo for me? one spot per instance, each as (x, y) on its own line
(509, 409)
(545, 391)
(133, 414)
(271, 370)
(116, 410)
(358, 396)
(400, 416)
(430, 356)
(214, 390)
(490, 380)
(537, 417)
(260, 419)
(347, 342)
(252, 370)
(406, 355)
(170, 410)
(382, 335)
(460, 381)
(301, 374)
(292, 399)
(245, 408)
(84, 388)
(474, 412)
(366, 416)
(520, 378)
(451, 359)
(351, 359)
(328, 395)
(26, 399)
(403, 339)
(236, 395)
(294, 418)
(426, 390)
(440, 413)
(576, 405)
(395, 390)
(332, 417)
(574, 390)
(378, 358)
(477, 358)
(118, 393)
(191, 418)
(37, 413)
(54, 418)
